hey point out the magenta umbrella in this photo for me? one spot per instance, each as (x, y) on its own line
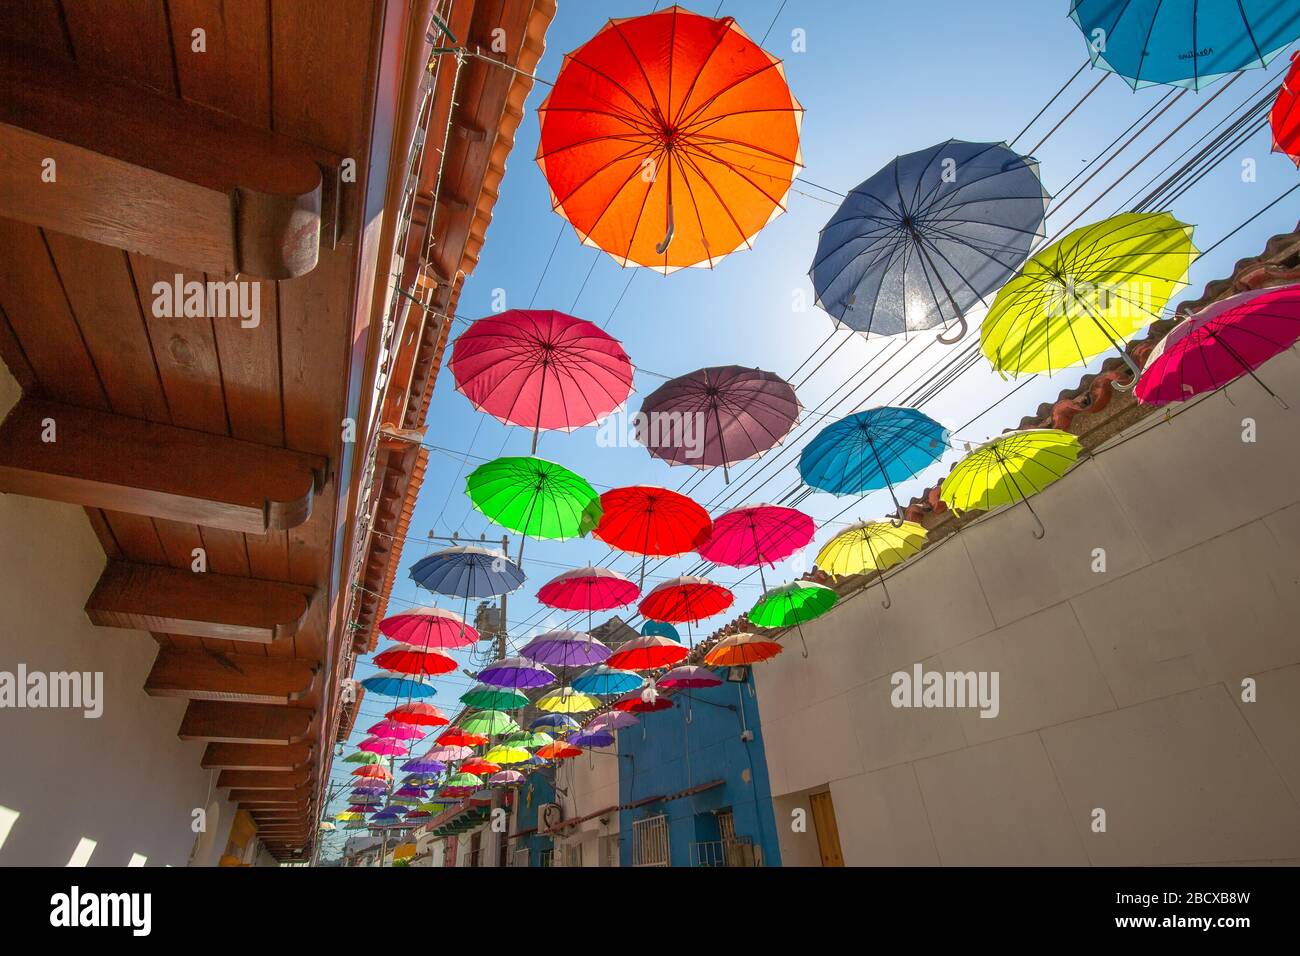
(588, 589)
(755, 535)
(394, 730)
(717, 416)
(542, 370)
(1220, 343)
(428, 628)
(688, 677)
(383, 747)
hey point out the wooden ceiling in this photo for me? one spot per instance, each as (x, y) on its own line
(182, 433)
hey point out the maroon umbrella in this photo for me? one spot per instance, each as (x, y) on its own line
(717, 416)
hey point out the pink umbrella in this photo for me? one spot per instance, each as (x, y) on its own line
(689, 677)
(448, 753)
(755, 535)
(428, 628)
(541, 370)
(1220, 343)
(383, 747)
(395, 730)
(506, 777)
(588, 589)
(612, 720)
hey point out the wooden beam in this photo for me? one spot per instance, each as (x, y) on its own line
(213, 675)
(255, 757)
(256, 780)
(152, 173)
(244, 723)
(147, 597)
(101, 460)
(287, 798)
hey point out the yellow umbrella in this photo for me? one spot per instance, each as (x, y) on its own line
(871, 546)
(503, 755)
(566, 700)
(1010, 469)
(347, 815)
(1088, 292)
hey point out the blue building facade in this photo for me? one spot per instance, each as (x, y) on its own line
(693, 783)
(529, 796)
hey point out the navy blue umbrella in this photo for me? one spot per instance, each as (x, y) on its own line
(871, 450)
(923, 240)
(1177, 43)
(467, 572)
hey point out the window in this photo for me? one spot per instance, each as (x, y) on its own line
(474, 849)
(546, 858)
(650, 841)
(573, 855)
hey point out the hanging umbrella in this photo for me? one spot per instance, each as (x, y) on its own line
(458, 737)
(362, 757)
(688, 677)
(535, 497)
(717, 416)
(792, 605)
(482, 766)
(489, 722)
(592, 739)
(425, 779)
(660, 629)
(1010, 469)
(448, 752)
(590, 588)
(506, 778)
(1220, 343)
(528, 739)
(409, 791)
(648, 654)
(559, 751)
(424, 765)
(393, 730)
(612, 720)
(1285, 116)
(738, 650)
(565, 649)
(375, 790)
(1184, 44)
(373, 771)
(651, 522)
(669, 140)
(542, 370)
(684, 599)
(396, 685)
(518, 673)
(384, 747)
(468, 571)
(636, 704)
(555, 723)
(404, 659)
(566, 700)
(755, 535)
(483, 697)
(428, 628)
(870, 450)
(1088, 292)
(463, 780)
(346, 815)
(927, 237)
(326, 825)
(504, 754)
(418, 714)
(603, 680)
(871, 546)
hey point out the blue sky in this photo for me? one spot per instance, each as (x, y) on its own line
(877, 79)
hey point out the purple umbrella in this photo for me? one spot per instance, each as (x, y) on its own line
(369, 791)
(409, 792)
(517, 672)
(611, 720)
(565, 649)
(424, 765)
(592, 738)
(717, 416)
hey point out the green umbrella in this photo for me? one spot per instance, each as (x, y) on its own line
(362, 756)
(489, 722)
(792, 604)
(529, 738)
(534, 497)
(462, 780)
(494, 698)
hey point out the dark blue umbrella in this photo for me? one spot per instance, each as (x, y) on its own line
(923, 240)
(467, 572)
(556, 723)
(1150, 42)
(592, 738)
(871, 450)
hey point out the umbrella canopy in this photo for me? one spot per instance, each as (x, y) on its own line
(505, 754)
(566, 700)
(362, 795)
(755, 535)
(389, 684)
(590, 588)
(612, 720)
(736, 650)
(717, 416)
(555, 723)
(418, 714)
(384, 747)
(484, 697)
(534, 497)
(1088, 292)
(603, 680)
(683, 599)
(871, 546)
(518, 673)
(660, 629)
(927, 237)
(459, 737)
(404, 659)
(450, 753)
(792, 604)
(649, 521)
(648, 654)
(463, 780)
(669, 140)
(393, 730)
(1183, 44)
(636, 704)
(428, 628)
(1285, 116)
(482, 766)
(871, 450)
(409, 791)
(542, 370)
(424, 765)
(530, 739)
(361, 756)
(559, 751)
(489, 722)
(688, 677)
(375, 771)
(467, 572)
(1010, 469)
(506, 778)
(593, 739)
(1219, 344)
(347, 815)
(565, 649)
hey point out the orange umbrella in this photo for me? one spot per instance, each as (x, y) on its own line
(558, 751)
(739, 649)
(669, 140)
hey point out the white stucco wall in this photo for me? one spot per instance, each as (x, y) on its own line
(591, 782)
(123, 780)
(1119, 690)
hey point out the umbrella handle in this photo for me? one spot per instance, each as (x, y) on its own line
(960, 334)
(668, 235)
(896, 521)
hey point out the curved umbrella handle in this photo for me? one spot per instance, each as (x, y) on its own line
(962, 327)
(668, 235)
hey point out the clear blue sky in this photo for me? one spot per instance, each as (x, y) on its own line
(877, 79)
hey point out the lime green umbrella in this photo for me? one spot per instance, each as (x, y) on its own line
(494, 698)
(1088, 292)
(1010, 469)
(504, 755)
(535, 497)
(462, 780)
(871, 546)
(791, 605)
(529, 738)
(489, 722)
(362, 756)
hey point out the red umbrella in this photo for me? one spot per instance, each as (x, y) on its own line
(455, 737)
(684, 600)
(428, 628)
(478, 766)
(541, 370)
(633, 704)
(374, 771)
(651, 522)
(558, 751)
(419, 714)
(1286, 113)
(756, 535)
(588, 589)
(404, 659)
(647, 653)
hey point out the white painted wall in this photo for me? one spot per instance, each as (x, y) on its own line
(591, 782)
(1119, 690)
(123, 780)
